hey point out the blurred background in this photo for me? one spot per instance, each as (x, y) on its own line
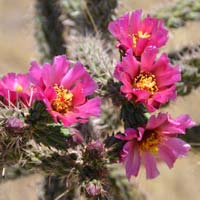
(18, 47)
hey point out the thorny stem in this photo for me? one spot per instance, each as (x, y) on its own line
(49, 32)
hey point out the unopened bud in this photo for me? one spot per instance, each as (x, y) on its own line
(95, 149)
(14, 125)
(76, 136)
(94, 188)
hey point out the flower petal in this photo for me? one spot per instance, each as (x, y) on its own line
(148, 58)
(178, 146)
(132, 159)
(135, 20)
(167, 155)
(150, 165)
(90, 108)
(129, 134)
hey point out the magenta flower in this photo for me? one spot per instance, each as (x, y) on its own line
(149, 82)
(137, 34)
(157, 140)
(15, 88)
(65, 90)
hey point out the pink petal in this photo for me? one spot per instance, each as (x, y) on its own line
(168, 76)
(50, 94)
(163, 96)
(185, 121)
(119, 27)
(177, 126)
(59, 68)
(177, 146)
(140, 133)
(148, 24)
(78, 95)
(140, 46)
(141, 95)
(148, 58)
(35, 74)
(129, 134)
(161, 63)
(47, 75)
(72, 118)
(150, 165)
(89, 85)
(129, 65)
(132, 159)
(90, 108)
(159, 38)
(156, 120)
(134, 23)
(74, 74)
(167, 155)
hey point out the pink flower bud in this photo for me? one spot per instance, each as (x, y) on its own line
(14, 125)
(95, 149)
(93, 188)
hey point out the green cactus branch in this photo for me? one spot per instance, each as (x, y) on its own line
(123, 189)
(188, 58)
(49, 29)
(89, 16)
(93, 53)
(177, 14)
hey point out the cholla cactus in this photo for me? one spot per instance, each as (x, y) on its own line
(99, 13)
(49, 29)
(93, 52)
(43, 112)
(89, 16)
(177, 14)
(189, 60)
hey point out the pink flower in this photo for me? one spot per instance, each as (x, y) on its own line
(149, 82)
(65, 90)
(157, 140)
(15, 88)
(137, 34)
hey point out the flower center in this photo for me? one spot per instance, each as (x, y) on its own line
(139, 35)
(18, 88)
(146, 81)
(63, 101)
(150, 142)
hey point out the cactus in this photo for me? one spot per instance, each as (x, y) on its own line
(122, 189)
(49, 29)
(66, 158)
(93, 53)
(188, 59)
(89, 16)
(177, 14)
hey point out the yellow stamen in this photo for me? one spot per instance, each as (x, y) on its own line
(150, 142)
(146, 81)
(144, 35)
(18, 88)
(63, 102)
(139, 35)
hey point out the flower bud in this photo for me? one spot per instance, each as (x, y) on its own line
(93, 188)
(95, 149)
(14, 125)
(76, 136)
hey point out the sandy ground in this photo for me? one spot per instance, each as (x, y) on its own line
(17, 44)
(18, 48)
(26, 188)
